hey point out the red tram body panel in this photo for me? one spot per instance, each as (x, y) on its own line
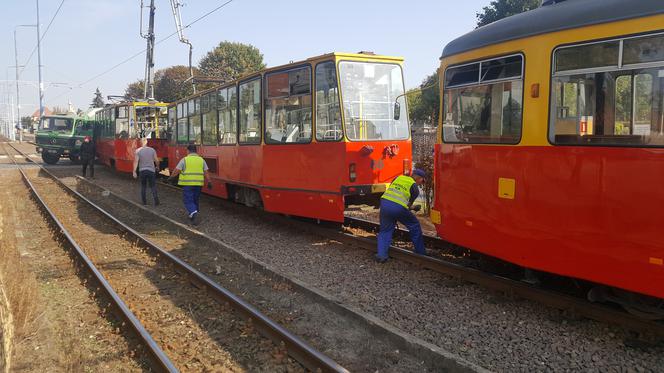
(544, 159)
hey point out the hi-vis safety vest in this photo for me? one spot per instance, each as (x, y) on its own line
(399, 190)
(193, 173)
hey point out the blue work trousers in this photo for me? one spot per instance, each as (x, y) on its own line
(191, 196)
(390, 213)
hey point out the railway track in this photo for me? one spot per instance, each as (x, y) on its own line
(191, 322)
(514, 288)
(572, 305)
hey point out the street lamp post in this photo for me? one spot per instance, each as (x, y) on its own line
(39, 66)
(19, 125)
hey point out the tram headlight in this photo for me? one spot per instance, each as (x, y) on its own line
(352, 175)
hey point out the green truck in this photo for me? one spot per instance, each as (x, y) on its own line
(61, 136)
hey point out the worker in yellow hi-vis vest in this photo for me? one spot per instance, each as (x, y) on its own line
(193, 172)
(395, 205)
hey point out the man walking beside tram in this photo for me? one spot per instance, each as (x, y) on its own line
(395, 205)
(147, 162)
(193, 172)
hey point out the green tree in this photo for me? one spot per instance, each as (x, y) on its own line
(230, 61)
(172, 84)
(424, 102)
(499, 9)
(98, 100)
(134, 91)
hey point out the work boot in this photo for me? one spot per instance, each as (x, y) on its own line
(194, 218)
(379, 260)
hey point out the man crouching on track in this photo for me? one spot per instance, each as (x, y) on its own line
(193, 173)
(395, 205)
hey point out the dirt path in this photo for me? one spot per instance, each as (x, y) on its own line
(58, 326)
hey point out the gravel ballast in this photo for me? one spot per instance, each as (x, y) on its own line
(487, 329)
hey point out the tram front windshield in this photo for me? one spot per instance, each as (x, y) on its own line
(369, 91)
(56, 124)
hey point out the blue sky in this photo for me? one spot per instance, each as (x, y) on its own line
(90, 36)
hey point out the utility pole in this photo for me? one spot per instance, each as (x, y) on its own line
(18, 105)
(19, 125)
(148, 90)
(39, 68)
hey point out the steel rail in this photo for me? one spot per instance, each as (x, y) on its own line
(576, 306)
(157, 354)
(301, 351)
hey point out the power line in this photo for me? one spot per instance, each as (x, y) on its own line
(41, 38)
(158, 42)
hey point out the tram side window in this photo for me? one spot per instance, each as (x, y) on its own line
(227, 101)
(209, 119)
(194, 121)
(121, 122)
(250, 112)
(288, 107)
(328, 111)
(182, 127)
(483, 102)
(619, 104)
(172, 121)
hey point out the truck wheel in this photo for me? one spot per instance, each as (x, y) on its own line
(50, 158)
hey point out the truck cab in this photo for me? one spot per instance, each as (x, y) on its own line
(61, 136)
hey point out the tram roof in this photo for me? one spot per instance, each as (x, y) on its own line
(564, 15)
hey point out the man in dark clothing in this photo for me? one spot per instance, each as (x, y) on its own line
(395, 205)
(88, 156)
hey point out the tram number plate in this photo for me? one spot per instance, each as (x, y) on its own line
(52, 151)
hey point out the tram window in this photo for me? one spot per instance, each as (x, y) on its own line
(227, 115)
(172, 120)
(328, 112)
(204, 104)
(501, 68)
(483, 102)
(369, 91)
(183, 130)
(594, 55)
(484, 114)
(195, 129)
(288, 107)
(462, 75)
(191, 109)
(250, 112)
(621, 106)
(121, 112)
(643, 50)
(209, 123)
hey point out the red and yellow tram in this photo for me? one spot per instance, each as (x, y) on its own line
(303, 139)
(120, 127)
(551, 142)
